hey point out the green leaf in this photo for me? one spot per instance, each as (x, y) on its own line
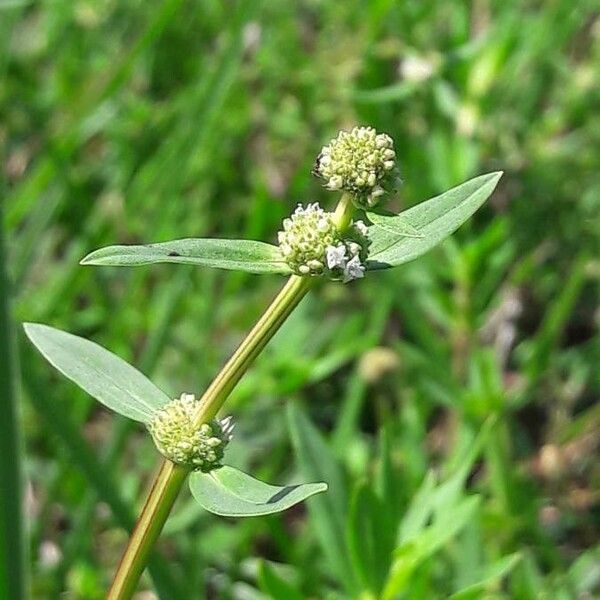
(100, 477)
(434, 219)
(236, 255)
(395, 224)
(409, 555)
(584, 573)
(369, 541)
(328, 513)
(274, 585)
(493, 574)
(232, 493)
(102, 374)
(419, 511)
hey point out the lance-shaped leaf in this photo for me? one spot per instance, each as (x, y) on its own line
(434, 219)
(232, 493)
(102, 374)
(396, 224)
(236, 255)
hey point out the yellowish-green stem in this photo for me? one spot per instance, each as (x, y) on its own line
(343, 212)
(160, 500)
(171, 477)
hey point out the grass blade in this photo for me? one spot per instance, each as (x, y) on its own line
(328, 511)
(13, 583)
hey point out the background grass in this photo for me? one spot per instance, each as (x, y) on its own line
(451, 403)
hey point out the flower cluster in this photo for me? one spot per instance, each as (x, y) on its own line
(179, 440)
(311, 244)
(361, 162)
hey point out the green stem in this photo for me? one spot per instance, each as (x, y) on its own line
(294, 290)
(343, 212)
(171, 477)
(160, 500)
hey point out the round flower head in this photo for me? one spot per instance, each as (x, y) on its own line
(179, 440)
(311, 244)
(305, 238)
(361, 162)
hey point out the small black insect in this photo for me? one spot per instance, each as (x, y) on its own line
(317, 165)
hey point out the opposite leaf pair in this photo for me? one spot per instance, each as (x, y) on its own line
(122, 388)
(395, 239)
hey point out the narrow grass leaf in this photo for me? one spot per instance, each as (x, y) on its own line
(419, 511)
(13, 579)
(232, 493)
(555, 318)
(369, 542)
(235, 255)
(274, 585)
(584, 573)
(434, 219)
(328, 512)
(410, 555)
(102, 374)
(494, 573)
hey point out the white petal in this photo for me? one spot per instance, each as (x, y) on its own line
(336, 257)
(354, 270)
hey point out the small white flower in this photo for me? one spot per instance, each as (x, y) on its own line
(361, 227)
(353, 270)
(336, 256)
(335, 182)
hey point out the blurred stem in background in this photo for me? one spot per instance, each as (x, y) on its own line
(12, 548)
(171, 477)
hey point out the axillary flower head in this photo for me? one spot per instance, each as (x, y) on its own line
(179, 440)
(311, 244)
(361, 162)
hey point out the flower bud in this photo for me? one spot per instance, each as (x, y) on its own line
(360, 162)
(181, 441)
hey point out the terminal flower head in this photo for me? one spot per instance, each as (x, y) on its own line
(181, 441)
(361, 162)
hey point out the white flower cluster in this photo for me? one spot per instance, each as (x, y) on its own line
(359, 161)
(305, 238)
(179, 440)
(346, 260)
(311, 244)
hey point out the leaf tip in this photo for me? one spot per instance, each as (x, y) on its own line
(497, 175)
(88, 259)
(30, 328)
(35, 332)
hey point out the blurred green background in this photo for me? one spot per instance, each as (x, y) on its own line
(451, 403)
